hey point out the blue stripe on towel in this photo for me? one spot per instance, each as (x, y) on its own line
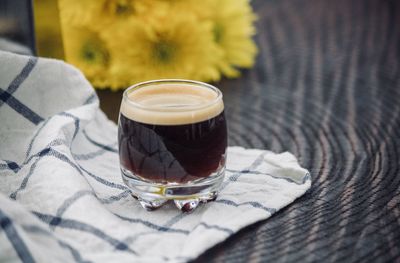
(236, 176)
(71, 200)
(19, 246)
(90, 99)
(153, 226)
(80, 226)
(20, 78)
(41, 231)
(251, 203)
(76, 122)
(6, 95)
(290, 180)
(216, 227)
(77, 167)
(20, 107)
(105, 147)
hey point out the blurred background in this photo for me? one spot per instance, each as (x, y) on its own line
(16, 27)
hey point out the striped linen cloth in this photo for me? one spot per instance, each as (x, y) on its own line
(61, 194)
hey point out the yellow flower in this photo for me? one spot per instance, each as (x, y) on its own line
(86, 50)
(175, 46)
(233, 30)
(79, 12)
(120, 42)
(100, 13)
(120, 10)
(194, 7)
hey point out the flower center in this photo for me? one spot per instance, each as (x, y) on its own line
(92, 53)
(123, 8)
(164, 51)
(119, 7)
(218, 32)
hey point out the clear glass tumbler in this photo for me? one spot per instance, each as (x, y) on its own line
(172, 139)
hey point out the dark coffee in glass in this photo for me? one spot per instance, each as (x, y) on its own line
(172, 142)
(173, 153)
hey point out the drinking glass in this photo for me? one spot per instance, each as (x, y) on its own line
(172, 138)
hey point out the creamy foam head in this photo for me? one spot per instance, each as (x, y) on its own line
(171, 103)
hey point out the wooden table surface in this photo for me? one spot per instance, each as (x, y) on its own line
(326, 87)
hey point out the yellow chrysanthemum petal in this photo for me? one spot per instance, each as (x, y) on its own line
(168, 47)
(233, 30)
(79, 12)
(100, 13)
(85, 49)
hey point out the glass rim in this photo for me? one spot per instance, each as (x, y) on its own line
(195, 83)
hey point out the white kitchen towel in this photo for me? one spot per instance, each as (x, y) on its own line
(62, 198)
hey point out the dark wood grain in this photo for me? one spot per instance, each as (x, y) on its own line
(326, 87)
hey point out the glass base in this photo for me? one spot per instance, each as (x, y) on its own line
(185, 196)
